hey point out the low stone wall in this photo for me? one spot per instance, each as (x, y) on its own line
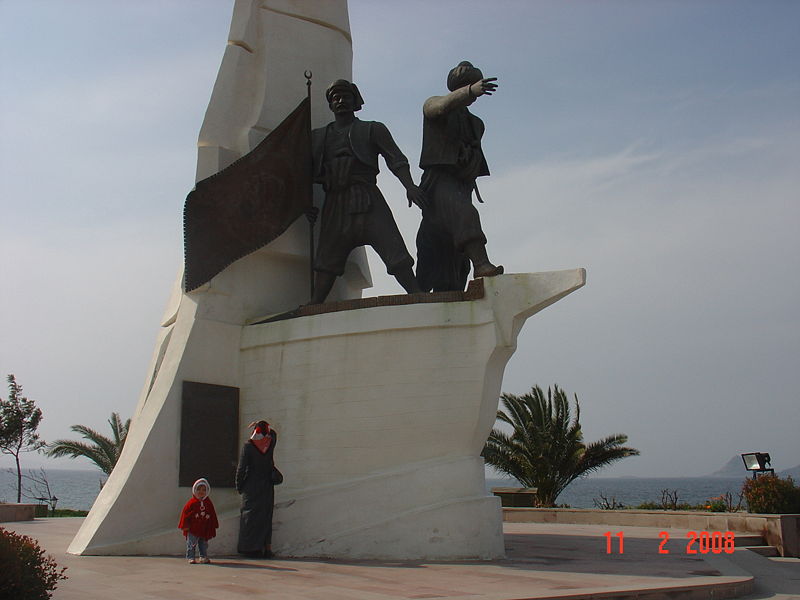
(784, 534)
(781, 531)
(515, 497)
(16, 512)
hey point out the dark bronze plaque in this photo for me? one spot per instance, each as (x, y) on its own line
(209, 434)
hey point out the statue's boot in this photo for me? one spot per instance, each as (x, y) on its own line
(323, 283)
(487, 270)
(481, 267)
(409, 282)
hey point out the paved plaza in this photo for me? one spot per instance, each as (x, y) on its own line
(543, 561)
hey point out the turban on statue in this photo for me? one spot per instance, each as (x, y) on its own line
(463, 74)
(343, 85)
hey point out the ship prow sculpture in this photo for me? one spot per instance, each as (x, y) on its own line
(382, 405)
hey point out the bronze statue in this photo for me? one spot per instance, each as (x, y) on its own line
(450, 235)
(345, 154)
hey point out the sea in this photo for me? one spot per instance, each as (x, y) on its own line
(633, 491)
(77, 489)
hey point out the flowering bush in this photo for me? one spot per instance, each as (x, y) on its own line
(771, 494)
(724, 503)
(715, 504)
(26, 574)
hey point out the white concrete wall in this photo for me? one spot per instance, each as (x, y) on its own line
(381, 412)
(260, 81)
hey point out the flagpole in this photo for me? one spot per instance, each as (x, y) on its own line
(307, 74)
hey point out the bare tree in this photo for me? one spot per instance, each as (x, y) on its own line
(604, 503)
(39, 488)
(669, 499)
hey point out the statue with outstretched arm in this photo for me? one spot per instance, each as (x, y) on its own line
(450, 236)
(345, 154)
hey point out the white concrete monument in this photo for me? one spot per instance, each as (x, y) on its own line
(382, 410)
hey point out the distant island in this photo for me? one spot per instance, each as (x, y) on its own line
(735, 468)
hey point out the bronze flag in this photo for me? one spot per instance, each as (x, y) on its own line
(249, 203)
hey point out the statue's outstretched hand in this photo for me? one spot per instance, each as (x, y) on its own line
(312, 214)
(416, 196)
(484, 86)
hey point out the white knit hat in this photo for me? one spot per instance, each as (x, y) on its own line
(201, 481)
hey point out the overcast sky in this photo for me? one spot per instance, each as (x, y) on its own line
(655, 144)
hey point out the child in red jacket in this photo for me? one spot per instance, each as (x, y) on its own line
(199, 521)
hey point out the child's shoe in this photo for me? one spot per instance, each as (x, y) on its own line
(192, 561)
(205, 560)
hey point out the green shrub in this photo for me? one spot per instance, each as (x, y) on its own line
(771, 495)
(69, 512)
(669, 501)
(723, 503)
(715, 505)
(604, 503)
(27, 573)
(660, 506)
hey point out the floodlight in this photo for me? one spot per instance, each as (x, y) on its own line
(757, 462)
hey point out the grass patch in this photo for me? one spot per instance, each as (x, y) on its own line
(69, 512)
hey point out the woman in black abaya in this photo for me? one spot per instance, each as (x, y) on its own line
(254, 483)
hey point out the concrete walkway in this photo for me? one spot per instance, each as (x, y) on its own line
(543, 561)
(776, 578)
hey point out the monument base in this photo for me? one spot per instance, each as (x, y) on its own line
(437, 510)
(381, 414)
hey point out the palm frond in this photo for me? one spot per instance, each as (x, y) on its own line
(73, 449)
(101, 450)
(545, 447)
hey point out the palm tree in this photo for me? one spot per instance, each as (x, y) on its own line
(102, 451)
(545, 448)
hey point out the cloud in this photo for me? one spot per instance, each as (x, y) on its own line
(81, 311)
(687, 326)
(93, 148)
(687, 294)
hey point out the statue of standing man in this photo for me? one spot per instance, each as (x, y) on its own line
(355, 213)
(450, 236)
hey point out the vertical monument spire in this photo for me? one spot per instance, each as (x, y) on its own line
(260, 81)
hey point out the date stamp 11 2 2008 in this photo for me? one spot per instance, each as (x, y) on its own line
(698, 542)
